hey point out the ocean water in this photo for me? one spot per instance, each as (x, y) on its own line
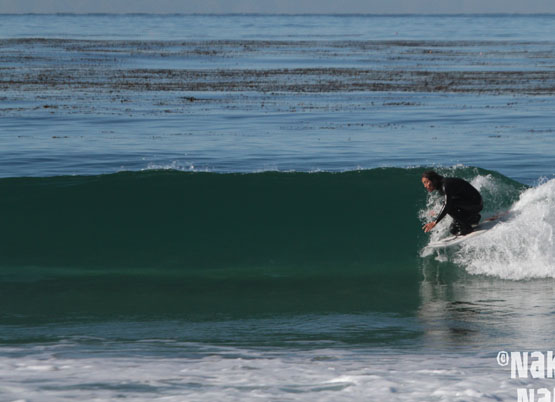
(229, 207)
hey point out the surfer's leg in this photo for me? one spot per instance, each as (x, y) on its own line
(455, 228)
(472, 214)
(464, 217)
(460, 227)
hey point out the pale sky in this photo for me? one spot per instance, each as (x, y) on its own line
(278, 6)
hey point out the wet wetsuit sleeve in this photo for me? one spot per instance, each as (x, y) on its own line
(444, 209)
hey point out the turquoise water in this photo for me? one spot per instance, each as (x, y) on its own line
(229, 207)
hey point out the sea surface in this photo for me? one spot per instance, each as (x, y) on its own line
(204, 207)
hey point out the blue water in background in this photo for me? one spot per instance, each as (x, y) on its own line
(279, 27)
(57, 130)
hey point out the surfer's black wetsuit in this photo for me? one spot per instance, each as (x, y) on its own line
(462, 202)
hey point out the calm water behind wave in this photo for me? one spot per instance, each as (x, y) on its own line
(99, 94)
(279, 27)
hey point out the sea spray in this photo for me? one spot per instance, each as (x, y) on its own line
(520, 247)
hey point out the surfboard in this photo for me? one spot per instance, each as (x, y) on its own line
(480, 229)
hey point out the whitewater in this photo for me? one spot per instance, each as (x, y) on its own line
(520, 246)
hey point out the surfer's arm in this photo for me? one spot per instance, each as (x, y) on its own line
(429, 226)
(443, 210)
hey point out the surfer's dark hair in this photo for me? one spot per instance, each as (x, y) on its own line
(435, 178)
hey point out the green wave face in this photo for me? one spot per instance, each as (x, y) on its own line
(165, 241)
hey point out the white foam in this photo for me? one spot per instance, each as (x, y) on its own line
(522, 247)
(174, 165)
(250, 375)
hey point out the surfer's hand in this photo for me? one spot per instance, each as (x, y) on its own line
(428, 226)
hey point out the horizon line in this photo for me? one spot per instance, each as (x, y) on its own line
(288, 14)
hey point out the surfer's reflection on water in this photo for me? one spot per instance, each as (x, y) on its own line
(460, 309)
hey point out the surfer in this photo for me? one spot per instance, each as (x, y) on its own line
(462, 202)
